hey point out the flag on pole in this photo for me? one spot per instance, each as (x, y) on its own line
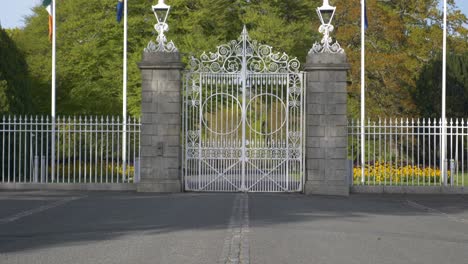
(366, 23)
(48, 6)
(120, 9)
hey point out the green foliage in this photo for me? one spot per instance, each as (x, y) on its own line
(15, 83)
(428, 92)
(403, 37)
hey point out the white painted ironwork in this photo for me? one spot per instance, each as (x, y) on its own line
(409, 152)
(244, 120)
(161, 12)
(87, 150)
(326, 45)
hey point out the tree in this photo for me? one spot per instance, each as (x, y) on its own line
(428, 92)
(15, 83)
(402, 37)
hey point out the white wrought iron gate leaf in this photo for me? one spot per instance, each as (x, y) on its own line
(244, 120)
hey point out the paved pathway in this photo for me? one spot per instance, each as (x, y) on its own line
(92, 227)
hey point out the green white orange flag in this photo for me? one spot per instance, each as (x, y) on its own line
(48, 6)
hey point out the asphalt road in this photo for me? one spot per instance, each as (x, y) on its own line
(126, 227)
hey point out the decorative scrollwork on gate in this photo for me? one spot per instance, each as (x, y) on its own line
(193, 138)
(259, 58)
(244, 119)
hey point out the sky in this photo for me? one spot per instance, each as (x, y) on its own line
(12, 12)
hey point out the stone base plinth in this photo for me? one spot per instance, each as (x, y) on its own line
(326, 189)
(160, 186)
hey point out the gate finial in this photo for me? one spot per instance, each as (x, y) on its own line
(245, 33)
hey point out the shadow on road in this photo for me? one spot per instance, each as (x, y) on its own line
(108, 216)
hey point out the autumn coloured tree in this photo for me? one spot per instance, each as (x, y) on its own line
(403, 37)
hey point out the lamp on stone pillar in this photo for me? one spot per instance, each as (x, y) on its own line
(161, 12)
(326, 13)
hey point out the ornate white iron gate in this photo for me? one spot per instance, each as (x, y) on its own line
(244, 120)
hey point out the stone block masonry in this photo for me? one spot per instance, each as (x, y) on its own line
(161, 122)
(326, 123)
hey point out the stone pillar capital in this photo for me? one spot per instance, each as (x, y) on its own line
(161, 60)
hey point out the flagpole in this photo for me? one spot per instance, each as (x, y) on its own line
(124, 110)
(363, 75)
(53, 89)
(444, 88)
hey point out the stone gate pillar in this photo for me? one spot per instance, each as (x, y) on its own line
(326, 124)
(161, 122)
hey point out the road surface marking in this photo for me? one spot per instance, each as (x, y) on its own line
(435, 211)
(39, 209)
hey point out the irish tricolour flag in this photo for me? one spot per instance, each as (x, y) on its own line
(48, 6)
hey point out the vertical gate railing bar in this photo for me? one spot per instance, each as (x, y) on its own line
(407, 151)
(112, 149)
(380, 149)
(64, 128)
(139, 148)
(79, 148)
(3, 148)
(463, 151)
(437, 147)
(117, 169)
(185, 94)
(287, 129)
(350, 132)
(28, 129)
(74, 149)
(244, 110)
(200, 127)
(9, 146)
(91, 131)
(130, 160)
(393, 161)
(56, 139)
(14, 148)
(418, 136)
(424, 134)
(215, 142)
(96, 132)
(374, 141)
(102, 146)
(25, 132)
(107, 149)
(58, 149)
(435, 153)
(35, 149)
(47, 129)
(86, 149)
(35, 161)
(412, 151)
(367, 130)
(453, 150)
(20, 130)
(303, 126)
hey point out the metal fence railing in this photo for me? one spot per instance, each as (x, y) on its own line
(408, 152)
(87, 150)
